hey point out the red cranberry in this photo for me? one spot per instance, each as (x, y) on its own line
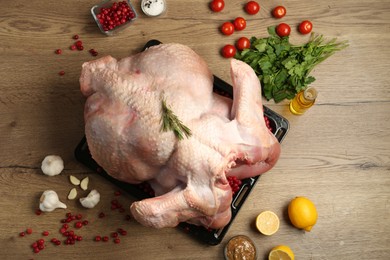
(73, 47)
(75, 36)
(45, 233)
(117, 240)
(98, 238)
(22, 234)
(58, 51)
(105, 238)
(61, 73)
(78, 224)
(29, 231)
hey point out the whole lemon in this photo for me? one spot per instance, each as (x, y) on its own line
(302, 213)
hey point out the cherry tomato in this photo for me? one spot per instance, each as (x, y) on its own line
(217, 5)
(227, 28)
(279, 11)
(305, 27)
(239, 23)
(252, 7)
(228, 51)
(243, 43)
(283, 30)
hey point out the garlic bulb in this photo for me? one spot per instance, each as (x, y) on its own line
(91, 200)
(52, 165)
(49, 201)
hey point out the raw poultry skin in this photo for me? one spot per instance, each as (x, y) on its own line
(123, 114)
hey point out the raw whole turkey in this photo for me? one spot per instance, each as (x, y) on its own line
(123, 126)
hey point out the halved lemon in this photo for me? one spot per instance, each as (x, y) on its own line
(267, 222)
(281, 252)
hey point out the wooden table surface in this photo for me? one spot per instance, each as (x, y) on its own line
(337, 154)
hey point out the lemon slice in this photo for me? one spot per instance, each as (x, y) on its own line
(267, 222)
(281, 252)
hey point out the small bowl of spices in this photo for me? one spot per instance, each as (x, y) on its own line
(240, 248)
(153, 7)
(113, 16)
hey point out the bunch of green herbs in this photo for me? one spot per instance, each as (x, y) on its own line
(284, 69)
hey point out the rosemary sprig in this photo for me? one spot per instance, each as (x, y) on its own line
(170, 122)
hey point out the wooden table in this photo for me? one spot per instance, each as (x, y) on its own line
(337, 154)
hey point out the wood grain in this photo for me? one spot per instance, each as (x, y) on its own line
(337, 154)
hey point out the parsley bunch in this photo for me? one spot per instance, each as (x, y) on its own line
(282, 68)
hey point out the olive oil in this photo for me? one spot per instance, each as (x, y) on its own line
(303, 101)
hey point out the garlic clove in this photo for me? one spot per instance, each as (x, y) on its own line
(74, 180)
(52, 165)
(49, 201)
(84, 183)
(91, 200)
(72, 194)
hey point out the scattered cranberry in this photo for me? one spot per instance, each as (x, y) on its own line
(114, 234)
(79, 43)
(85, 222)
(79, 216)
(22, 234)
(102, 215)
(80, 48)
(75, 37)
(61, 73)
(34, 245)
(58, 51)
(58, 242)
(65, 226)
(38, 212)
(98, 238)
(78, 224)
(36, 250)
(29, 231)
(123, 232)
(105, 238)
(117, 240)
(45, 233)
(73, 47)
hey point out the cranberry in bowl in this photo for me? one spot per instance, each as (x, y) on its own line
(113, 16)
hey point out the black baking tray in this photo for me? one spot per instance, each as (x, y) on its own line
(279, 127)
